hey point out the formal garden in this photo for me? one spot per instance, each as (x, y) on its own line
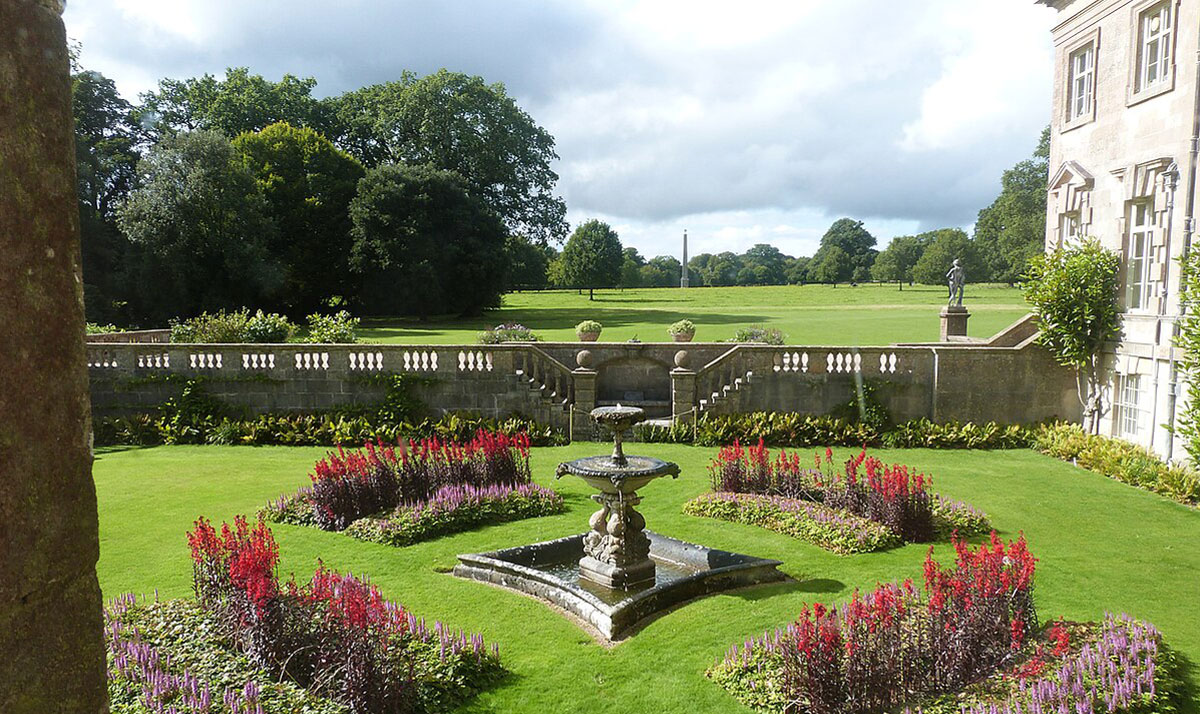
(988, 577)
(372, 433)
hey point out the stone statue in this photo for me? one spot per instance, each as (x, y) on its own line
(956, 277)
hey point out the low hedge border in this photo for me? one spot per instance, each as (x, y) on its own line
(829, 528)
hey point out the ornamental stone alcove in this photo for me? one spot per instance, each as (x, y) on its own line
(635, 380)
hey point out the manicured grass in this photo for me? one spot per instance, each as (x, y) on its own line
(807, 314)
(1101, 546)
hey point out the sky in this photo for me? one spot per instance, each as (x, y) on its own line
(744, 123)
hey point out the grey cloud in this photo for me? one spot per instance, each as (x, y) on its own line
(811, 119)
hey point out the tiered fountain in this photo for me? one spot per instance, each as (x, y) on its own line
(618, 573)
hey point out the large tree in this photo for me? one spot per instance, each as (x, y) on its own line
(901, 256)
(631, 268)
(767, 264)
(240, 102)
(856, 244)
(1013, 229)
(424, 245)
(592, 257)
(106, 156)
(664, 271)
(457, 122)
(834, 266)
(200, 228)
(945, 245)
(308, 184)
(528, 263)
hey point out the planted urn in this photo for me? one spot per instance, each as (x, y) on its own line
(588, 331)
(682, 331)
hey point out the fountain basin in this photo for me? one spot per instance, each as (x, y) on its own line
(550, 571)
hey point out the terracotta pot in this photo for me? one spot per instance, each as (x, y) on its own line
(683, 337)
(587, 336)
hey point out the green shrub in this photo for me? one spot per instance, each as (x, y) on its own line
(338, 328)
(236, 326)
(271, 328)
(922, 433)
(92, 328)
(1118, 460)
(834, 530)
(293, 429)
(758, 334)
(513, 332)
(950, 517)
(588, 326)
(471, 507)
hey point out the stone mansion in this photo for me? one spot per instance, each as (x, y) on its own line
(1123, 153)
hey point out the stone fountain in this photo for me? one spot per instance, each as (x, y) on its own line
(617, 549)
(617, 574)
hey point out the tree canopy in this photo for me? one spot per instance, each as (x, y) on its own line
(457, 122)
(592, 257)
(238, 103)
(1073, 291)
(942, 247)
(200, 227)
(308, 184)
(857, 252)
(423, 245)
(106, 156)
(1012, 229)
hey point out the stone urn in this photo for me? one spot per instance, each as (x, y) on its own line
(683, 336)
(587, 336)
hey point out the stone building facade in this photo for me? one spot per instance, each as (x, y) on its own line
(1124, 122)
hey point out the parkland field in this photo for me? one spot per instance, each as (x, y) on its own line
(806, 314)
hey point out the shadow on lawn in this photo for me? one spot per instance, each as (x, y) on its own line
(769, 590)
(556, 319)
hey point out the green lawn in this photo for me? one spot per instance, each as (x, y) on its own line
(807, 314)
(1101, 546)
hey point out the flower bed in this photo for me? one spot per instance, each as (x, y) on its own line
(416, 490)
(880, 650)
(251, 644)
(894, 497)
(457, 508)
(828, 528)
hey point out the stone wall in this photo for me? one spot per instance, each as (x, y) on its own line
(549, 381)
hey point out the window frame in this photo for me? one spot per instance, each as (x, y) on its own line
(1125, 411)
(1069, 119)
(1137, 91)
(1065, 239)
(1140, 277)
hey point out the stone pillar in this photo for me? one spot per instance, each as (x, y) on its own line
(50, 616)
(683, 389)
(954, 323)
(585, 396)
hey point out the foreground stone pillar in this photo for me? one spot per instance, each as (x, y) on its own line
(50, 617)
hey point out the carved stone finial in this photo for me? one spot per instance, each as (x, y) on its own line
(584, 359)
(682, 359)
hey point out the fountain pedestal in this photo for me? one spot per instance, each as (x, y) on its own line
(617, 547)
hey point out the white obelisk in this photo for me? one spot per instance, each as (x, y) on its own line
(683, 277)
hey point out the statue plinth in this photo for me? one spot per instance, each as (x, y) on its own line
(954, 323)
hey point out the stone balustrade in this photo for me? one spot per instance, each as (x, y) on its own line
(550, 381)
